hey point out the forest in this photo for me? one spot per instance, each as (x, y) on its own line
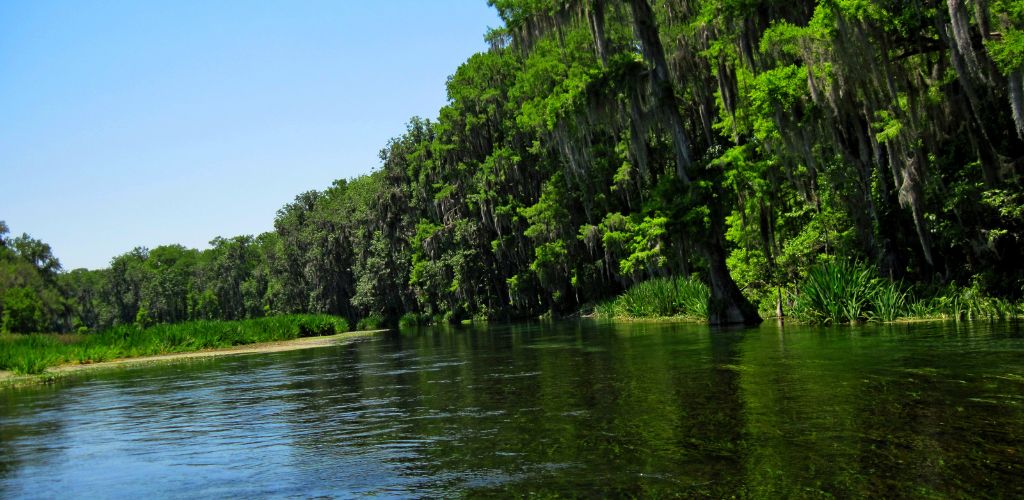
(601, 144)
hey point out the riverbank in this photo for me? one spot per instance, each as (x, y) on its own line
(832, 293)
(11, 379)
(34, 353)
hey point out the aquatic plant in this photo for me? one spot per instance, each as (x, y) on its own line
(28, 353)
(605, 309)
(970, 303)
(835, 292)
(844, 291)
(888, 301)
(692, 297)
(371, 322)
(409, 320)
(659, 298)
(34, 353)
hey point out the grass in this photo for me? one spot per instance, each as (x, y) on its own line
(30, 354)
(889, 301)
(371, 322)
(835, 292)
(964, 304)
(832, 293)
(659, 298)
(849, 292)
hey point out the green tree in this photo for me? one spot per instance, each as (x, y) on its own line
(23, 311)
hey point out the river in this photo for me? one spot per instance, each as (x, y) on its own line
(565, 408)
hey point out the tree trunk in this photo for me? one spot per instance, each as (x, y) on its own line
(661, 85)
(595, 14)
(727, 305)
(1016, 92)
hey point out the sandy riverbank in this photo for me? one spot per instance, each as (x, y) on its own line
(10, 379)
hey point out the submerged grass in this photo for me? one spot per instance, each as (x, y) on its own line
(659, 298)
(30, 354)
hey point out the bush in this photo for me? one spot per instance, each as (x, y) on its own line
(409, 320)
(320, 325)
(371, 322)
(23, 311)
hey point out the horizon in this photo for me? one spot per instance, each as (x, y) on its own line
(146, 125)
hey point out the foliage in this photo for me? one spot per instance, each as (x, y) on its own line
(659, 298)
(36, 352)
(22, 311)
(372, 322)
(843, 291)
(598, 145)
(835, 292)
(888, 301)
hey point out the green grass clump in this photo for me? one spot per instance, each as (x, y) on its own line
(888, 301)
(34, 353)
(835, 292)
(319, 325)
(659, 298)
(29, 353)
(968, 303)
(371, 322)
(409, 320)
(849, 292)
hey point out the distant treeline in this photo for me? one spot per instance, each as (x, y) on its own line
(600, 143)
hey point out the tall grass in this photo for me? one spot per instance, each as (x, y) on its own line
(835, 292)
(965, 304)
(371, 322)
(848, 292)
(657, 298)
(34, 353)
(889, 301)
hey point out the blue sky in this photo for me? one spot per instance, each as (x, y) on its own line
(128, 124)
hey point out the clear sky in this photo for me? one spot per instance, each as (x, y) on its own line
(142, 123)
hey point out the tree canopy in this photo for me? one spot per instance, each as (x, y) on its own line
(599, 143)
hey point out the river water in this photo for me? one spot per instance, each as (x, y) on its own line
(571, 408)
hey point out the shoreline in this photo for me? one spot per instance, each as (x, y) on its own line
(9, 379)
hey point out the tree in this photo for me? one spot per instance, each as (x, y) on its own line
(23, 311)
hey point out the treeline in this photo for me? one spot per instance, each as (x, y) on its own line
(600, 143)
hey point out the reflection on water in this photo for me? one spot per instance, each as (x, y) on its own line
(564, 408)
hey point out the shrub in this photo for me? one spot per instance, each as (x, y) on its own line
(371, 322)
(409, 320)
(319, 325)
(23, 311)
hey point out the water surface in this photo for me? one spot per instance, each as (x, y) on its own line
(573, 408)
